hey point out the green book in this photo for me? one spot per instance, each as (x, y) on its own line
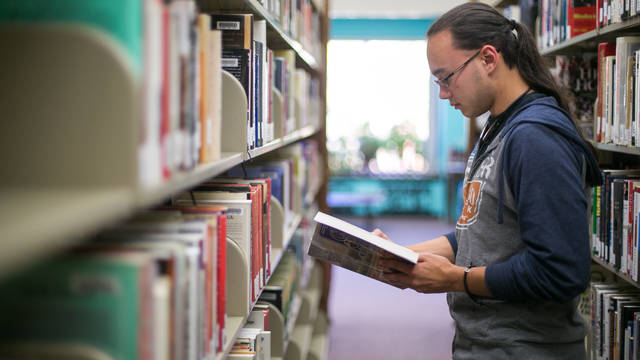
(121, 19)
(93, 300)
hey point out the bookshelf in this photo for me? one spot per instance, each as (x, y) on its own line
(276, 36)
(610, 244)
(613, 270)
(73, 111)
(588, 41)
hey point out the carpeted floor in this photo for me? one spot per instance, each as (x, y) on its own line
(371, 320)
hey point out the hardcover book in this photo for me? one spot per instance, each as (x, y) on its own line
(348, 246)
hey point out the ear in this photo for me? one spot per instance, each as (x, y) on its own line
(489, 56)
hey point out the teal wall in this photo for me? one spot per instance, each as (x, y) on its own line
(450, 133)
(416, 196)
(379, 29)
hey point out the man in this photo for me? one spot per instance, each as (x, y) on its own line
(519, 258)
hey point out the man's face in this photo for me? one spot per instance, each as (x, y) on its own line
(466, 89)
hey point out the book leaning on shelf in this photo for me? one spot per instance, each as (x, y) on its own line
(348, 246)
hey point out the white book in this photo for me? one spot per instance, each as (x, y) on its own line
(263, 345)
(149, 152)
(625, 47)
(214, 75)
(608, 98)
(161, 318)
(348, 246)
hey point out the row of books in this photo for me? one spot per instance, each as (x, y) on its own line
(616, 11)
(156, 286)
(236, 43)
(616, 111)
(615, 321)
(259, 69)
(300, 20)
(177, 53)
(615, 219)
(560, 20)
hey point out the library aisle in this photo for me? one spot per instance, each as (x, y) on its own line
(371, 320)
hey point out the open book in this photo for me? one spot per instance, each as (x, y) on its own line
(348, 246)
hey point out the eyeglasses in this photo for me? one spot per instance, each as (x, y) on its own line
(444, 82)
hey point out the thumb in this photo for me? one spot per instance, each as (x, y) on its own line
(378, 232)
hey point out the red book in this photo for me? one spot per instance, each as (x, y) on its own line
(604, 50)
(269, 92)
(267, 230)
(629, 239)
(222, 281)
(256, 238)
(580, 19)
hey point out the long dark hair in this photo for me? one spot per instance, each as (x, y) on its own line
(473, 25)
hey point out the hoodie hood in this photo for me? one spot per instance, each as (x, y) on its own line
(544, 111)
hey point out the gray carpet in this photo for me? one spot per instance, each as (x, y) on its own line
(372, 320)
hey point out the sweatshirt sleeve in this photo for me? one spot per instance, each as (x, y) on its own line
(452, 241)
(543, 171)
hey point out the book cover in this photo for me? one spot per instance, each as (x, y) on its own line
(95, 300)
(353, 248)
(581, 17)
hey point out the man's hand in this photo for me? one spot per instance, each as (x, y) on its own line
(432, 274)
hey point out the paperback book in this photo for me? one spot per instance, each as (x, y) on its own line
(346, 245)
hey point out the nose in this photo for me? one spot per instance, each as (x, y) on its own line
(444, 93)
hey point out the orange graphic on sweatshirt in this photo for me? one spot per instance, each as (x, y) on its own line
(470, 194)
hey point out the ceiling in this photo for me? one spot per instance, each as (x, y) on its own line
(390, 8)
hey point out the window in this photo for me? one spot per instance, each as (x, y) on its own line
(378, 106)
